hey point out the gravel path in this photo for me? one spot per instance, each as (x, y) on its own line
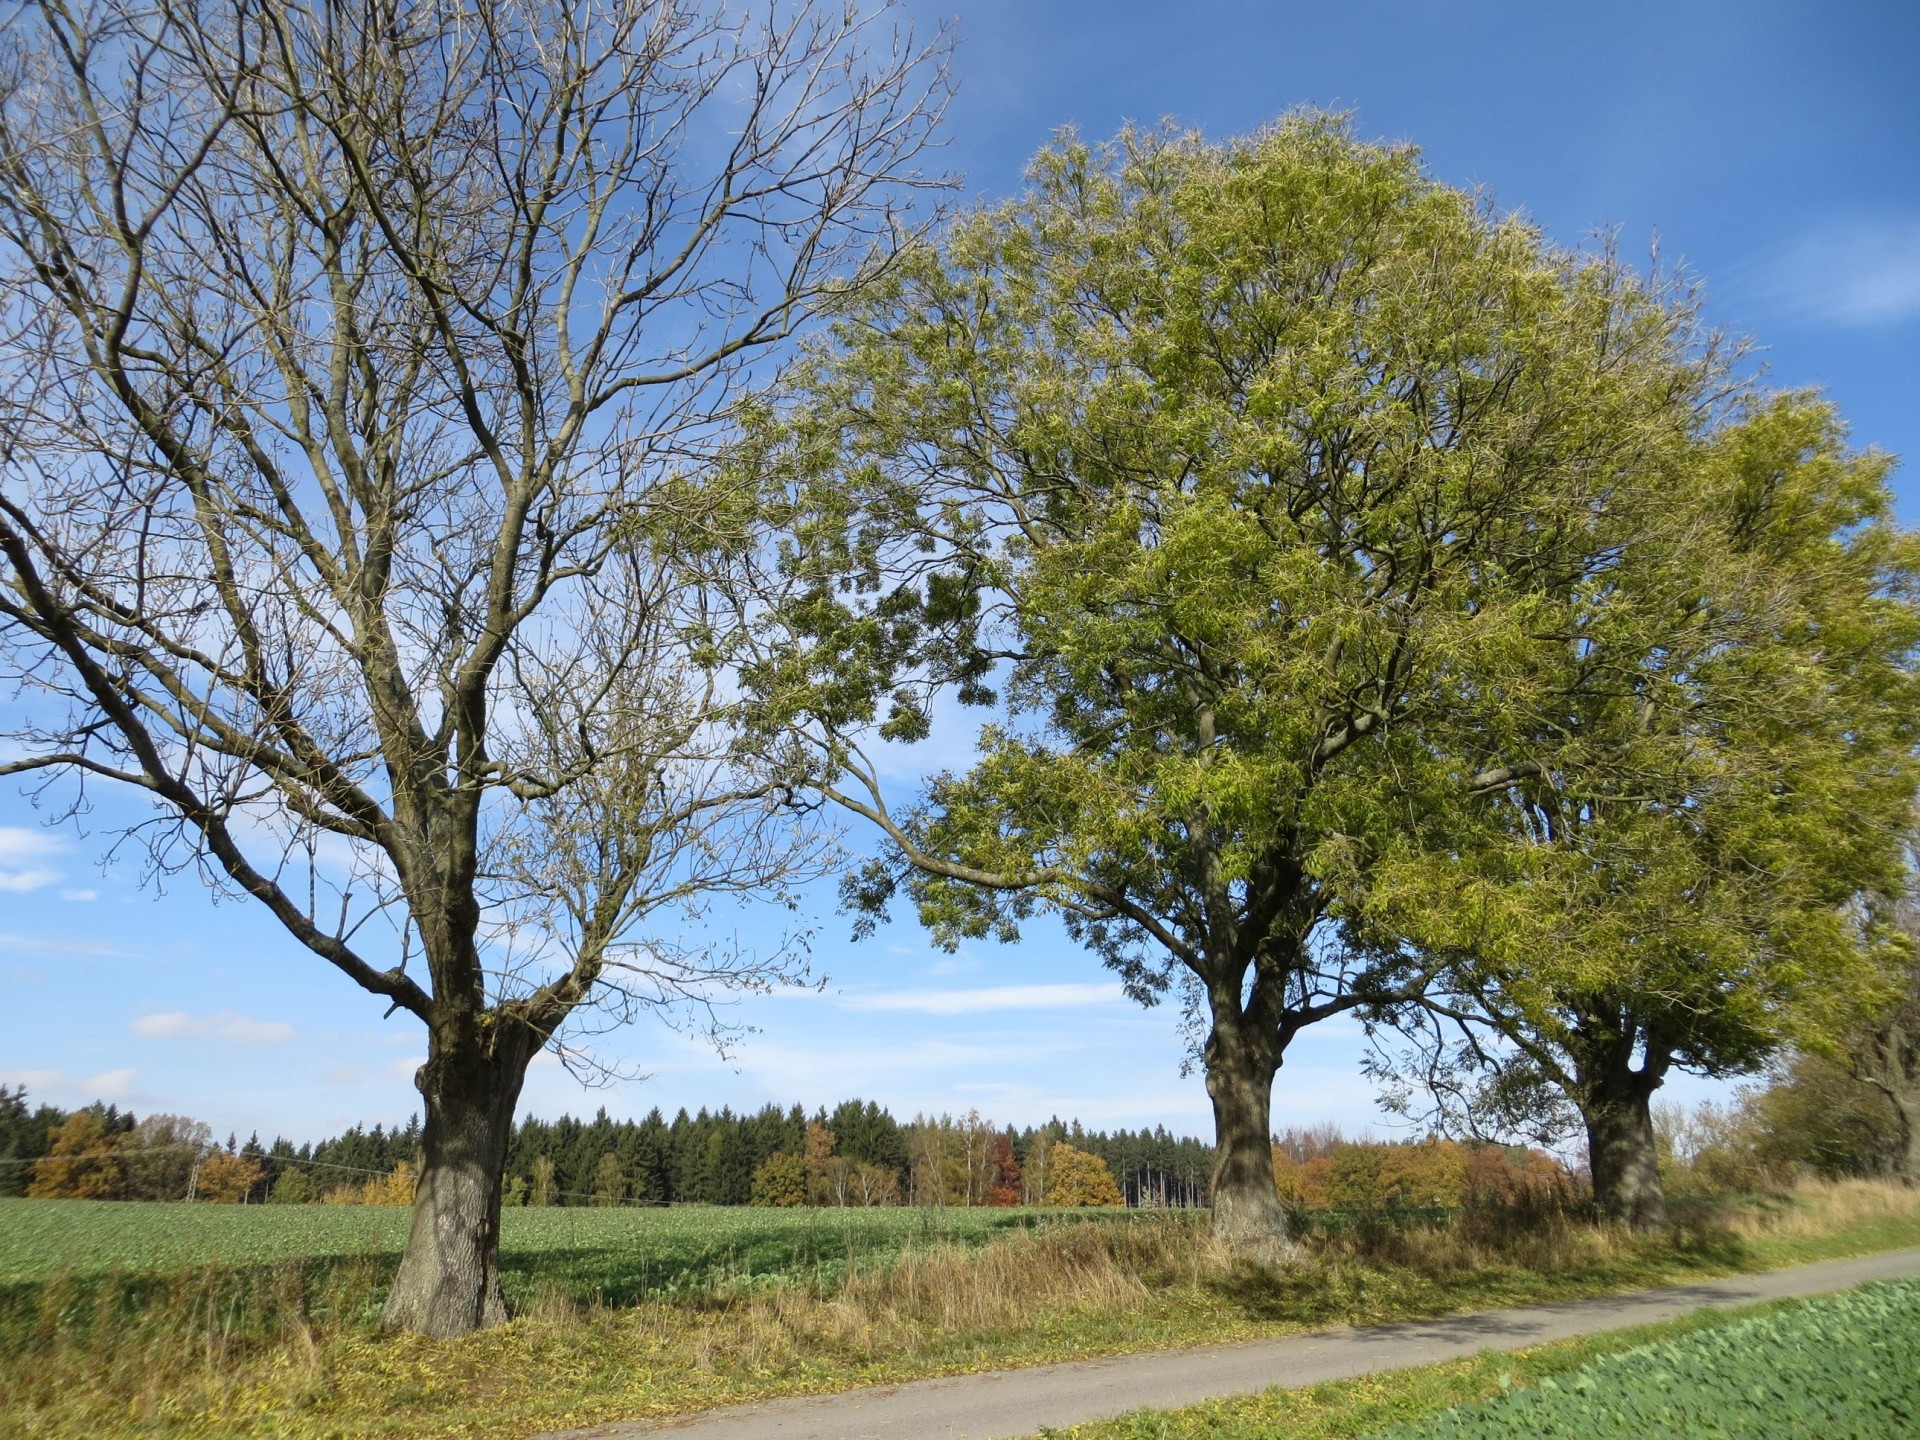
(1012, 1403)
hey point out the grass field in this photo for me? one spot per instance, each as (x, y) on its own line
(608, 1256)
(112, 1342)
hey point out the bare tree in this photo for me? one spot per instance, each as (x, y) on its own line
(358, 358)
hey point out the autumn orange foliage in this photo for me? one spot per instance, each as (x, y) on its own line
(1424, 1174)
(393, 1189)
(1005, 1173)
(1078, 1178)
(80, 1164)
(228, 1179)
(87, 1163)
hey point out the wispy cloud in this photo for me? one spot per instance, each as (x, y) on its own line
(992, 997)
(23, 857)
(1854, 273)
(222, 1025)
(80, 896)
(90, 949)
(57, 1085)
(954, 965)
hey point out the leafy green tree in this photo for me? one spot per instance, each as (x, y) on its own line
(159, 1154)
(295, 1187)
(1812, 1117)
(609, 1180)
(1255, 476)
(545, 1190)
(1696, 868)
(781, 1180)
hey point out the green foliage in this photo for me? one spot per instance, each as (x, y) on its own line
(1811, 1118)
(1375, 592)
(1842, 1365)
(781, 1181)
(1681, 878)
(1265, 459)
(609, 1181)
(294, 1187)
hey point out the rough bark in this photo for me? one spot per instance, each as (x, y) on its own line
(1886, 1055)
(1241, 1065)
(1906, 1104)
(1622, 1155)
(448, 1283)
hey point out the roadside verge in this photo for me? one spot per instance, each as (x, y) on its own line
(1016, 1403)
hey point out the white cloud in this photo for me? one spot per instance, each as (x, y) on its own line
(56, 1086)
(18, 843)
(23, 854)
(222, 1025)
(992, 997)
(90, 949)
(1849, 273)
(341, 1075)
(80, 896)
(403, 1069)
(21, 881)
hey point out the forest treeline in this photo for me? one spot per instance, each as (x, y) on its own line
(1811, 1119)
(855, 1154)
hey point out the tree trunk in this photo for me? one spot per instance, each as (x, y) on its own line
(1906, 1104)
(448, 1283)
(1623, 1157)
(1247, 1212)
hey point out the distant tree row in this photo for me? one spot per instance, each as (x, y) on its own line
(1324, 1170)
(103, 1153)
(857, 1154)
(1814, 1116)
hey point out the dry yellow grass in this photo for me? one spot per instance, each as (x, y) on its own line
(1819, 1207)
(292, 1352)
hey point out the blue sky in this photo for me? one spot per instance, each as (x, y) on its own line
(1773, 148)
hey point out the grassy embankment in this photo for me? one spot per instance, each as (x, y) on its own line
(288, 1347)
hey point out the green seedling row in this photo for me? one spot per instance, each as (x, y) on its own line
(1843, 1367)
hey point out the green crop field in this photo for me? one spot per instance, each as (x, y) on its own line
(1843, 1365)
(616, 1255)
